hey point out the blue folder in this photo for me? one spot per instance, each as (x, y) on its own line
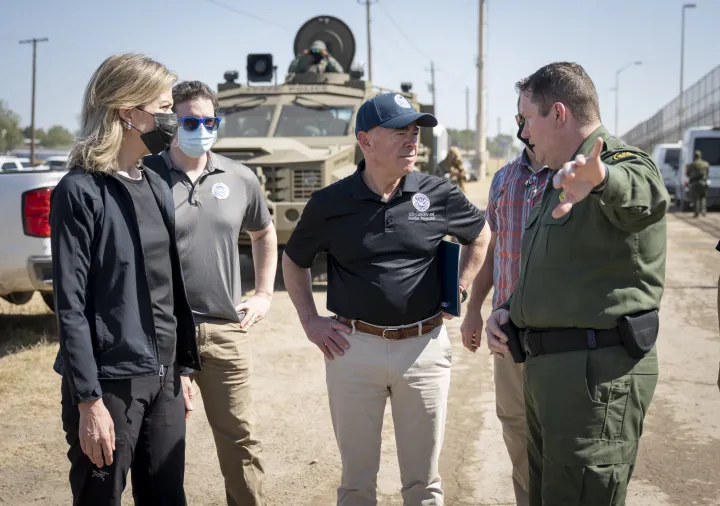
(449, 258)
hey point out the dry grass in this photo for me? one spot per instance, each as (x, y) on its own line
(28, 344)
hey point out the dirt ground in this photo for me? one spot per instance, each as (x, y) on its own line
(679, 461)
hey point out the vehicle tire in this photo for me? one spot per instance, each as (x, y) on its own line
(49, 299)
(18, 298)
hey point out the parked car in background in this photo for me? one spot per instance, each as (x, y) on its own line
(14, 164)
(25, 258)
(667, 158)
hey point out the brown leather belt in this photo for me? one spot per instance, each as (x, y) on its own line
(395, 333)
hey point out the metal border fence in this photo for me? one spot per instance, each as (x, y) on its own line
(701, 107)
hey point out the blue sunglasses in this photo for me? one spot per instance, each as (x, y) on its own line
(191, 123)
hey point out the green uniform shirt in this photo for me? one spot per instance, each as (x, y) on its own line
(697, 171)
(602, 260)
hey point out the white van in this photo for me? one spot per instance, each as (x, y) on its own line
(667, 158)
(706, 140)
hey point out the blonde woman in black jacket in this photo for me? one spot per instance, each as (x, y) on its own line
(126, 329)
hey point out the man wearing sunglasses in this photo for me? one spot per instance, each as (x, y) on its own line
(215, 199)
(515, 190)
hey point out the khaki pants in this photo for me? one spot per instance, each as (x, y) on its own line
(510, 408)
(225, 387)
(415, 374)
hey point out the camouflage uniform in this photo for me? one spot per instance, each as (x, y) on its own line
(697, 173)
(305, 63)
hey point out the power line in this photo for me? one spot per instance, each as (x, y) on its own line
(412, 44)
(249, 15)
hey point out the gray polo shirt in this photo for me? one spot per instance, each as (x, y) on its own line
(209, 217)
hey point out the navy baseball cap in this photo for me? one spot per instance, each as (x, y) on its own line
(390, 110)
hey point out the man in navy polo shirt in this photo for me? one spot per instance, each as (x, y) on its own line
(381, 228)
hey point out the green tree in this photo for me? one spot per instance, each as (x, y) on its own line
(501, 146)
(10, 133)
(58, 137)
(39, 134)
(460, 138)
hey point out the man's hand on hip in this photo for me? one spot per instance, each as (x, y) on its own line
(578, 178)
(471, 329)
(255, 308)
(496, 338)
(323, 332)
(96, 432)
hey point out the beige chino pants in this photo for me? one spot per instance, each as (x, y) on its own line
(510, 408)
(225, 381)
(415, 375)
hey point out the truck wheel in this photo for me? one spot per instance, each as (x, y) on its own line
(18, 298)
(49, 299)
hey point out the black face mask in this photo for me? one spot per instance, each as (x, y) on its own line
(160, 138)
(523, 139)
(317, 56)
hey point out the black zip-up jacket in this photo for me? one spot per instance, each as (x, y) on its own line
(102, 296)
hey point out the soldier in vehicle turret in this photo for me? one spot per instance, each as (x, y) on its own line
(315, 60)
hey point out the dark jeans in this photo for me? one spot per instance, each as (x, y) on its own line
(149, 418)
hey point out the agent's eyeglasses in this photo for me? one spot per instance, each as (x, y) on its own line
(520, 119)
(191, 123)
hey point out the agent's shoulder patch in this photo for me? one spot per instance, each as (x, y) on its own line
(621, 155)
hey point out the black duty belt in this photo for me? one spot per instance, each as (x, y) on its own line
(539, 342)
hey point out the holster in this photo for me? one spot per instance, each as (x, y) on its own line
(514, 343)
(639, 332)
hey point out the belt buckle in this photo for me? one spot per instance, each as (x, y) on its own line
(391, 329)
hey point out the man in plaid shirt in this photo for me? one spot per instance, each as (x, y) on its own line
(515, 190)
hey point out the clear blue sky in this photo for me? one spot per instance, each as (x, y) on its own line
(201, 40)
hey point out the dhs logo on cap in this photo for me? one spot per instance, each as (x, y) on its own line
(390, 110)
(402, 102)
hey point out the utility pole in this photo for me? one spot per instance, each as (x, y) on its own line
(467, 119)
(367, 15)
(682, 70)
(480, 118)
(32, 114)
(432, 85)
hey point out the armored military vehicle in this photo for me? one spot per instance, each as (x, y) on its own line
(299, 136)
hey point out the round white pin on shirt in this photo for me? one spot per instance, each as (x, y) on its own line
(220, 191)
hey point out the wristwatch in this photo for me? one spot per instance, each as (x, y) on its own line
(463, 294)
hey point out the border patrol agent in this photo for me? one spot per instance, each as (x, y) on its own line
(585, 307)
(381, 228)
(697, 173)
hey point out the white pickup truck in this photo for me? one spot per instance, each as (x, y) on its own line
(25, 260)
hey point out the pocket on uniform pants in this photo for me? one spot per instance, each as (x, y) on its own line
(609, 388)
(593, 484)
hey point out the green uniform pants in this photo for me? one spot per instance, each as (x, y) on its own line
(698, 191)
(585, 412)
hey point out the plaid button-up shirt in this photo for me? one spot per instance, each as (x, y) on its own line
(514, 191)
